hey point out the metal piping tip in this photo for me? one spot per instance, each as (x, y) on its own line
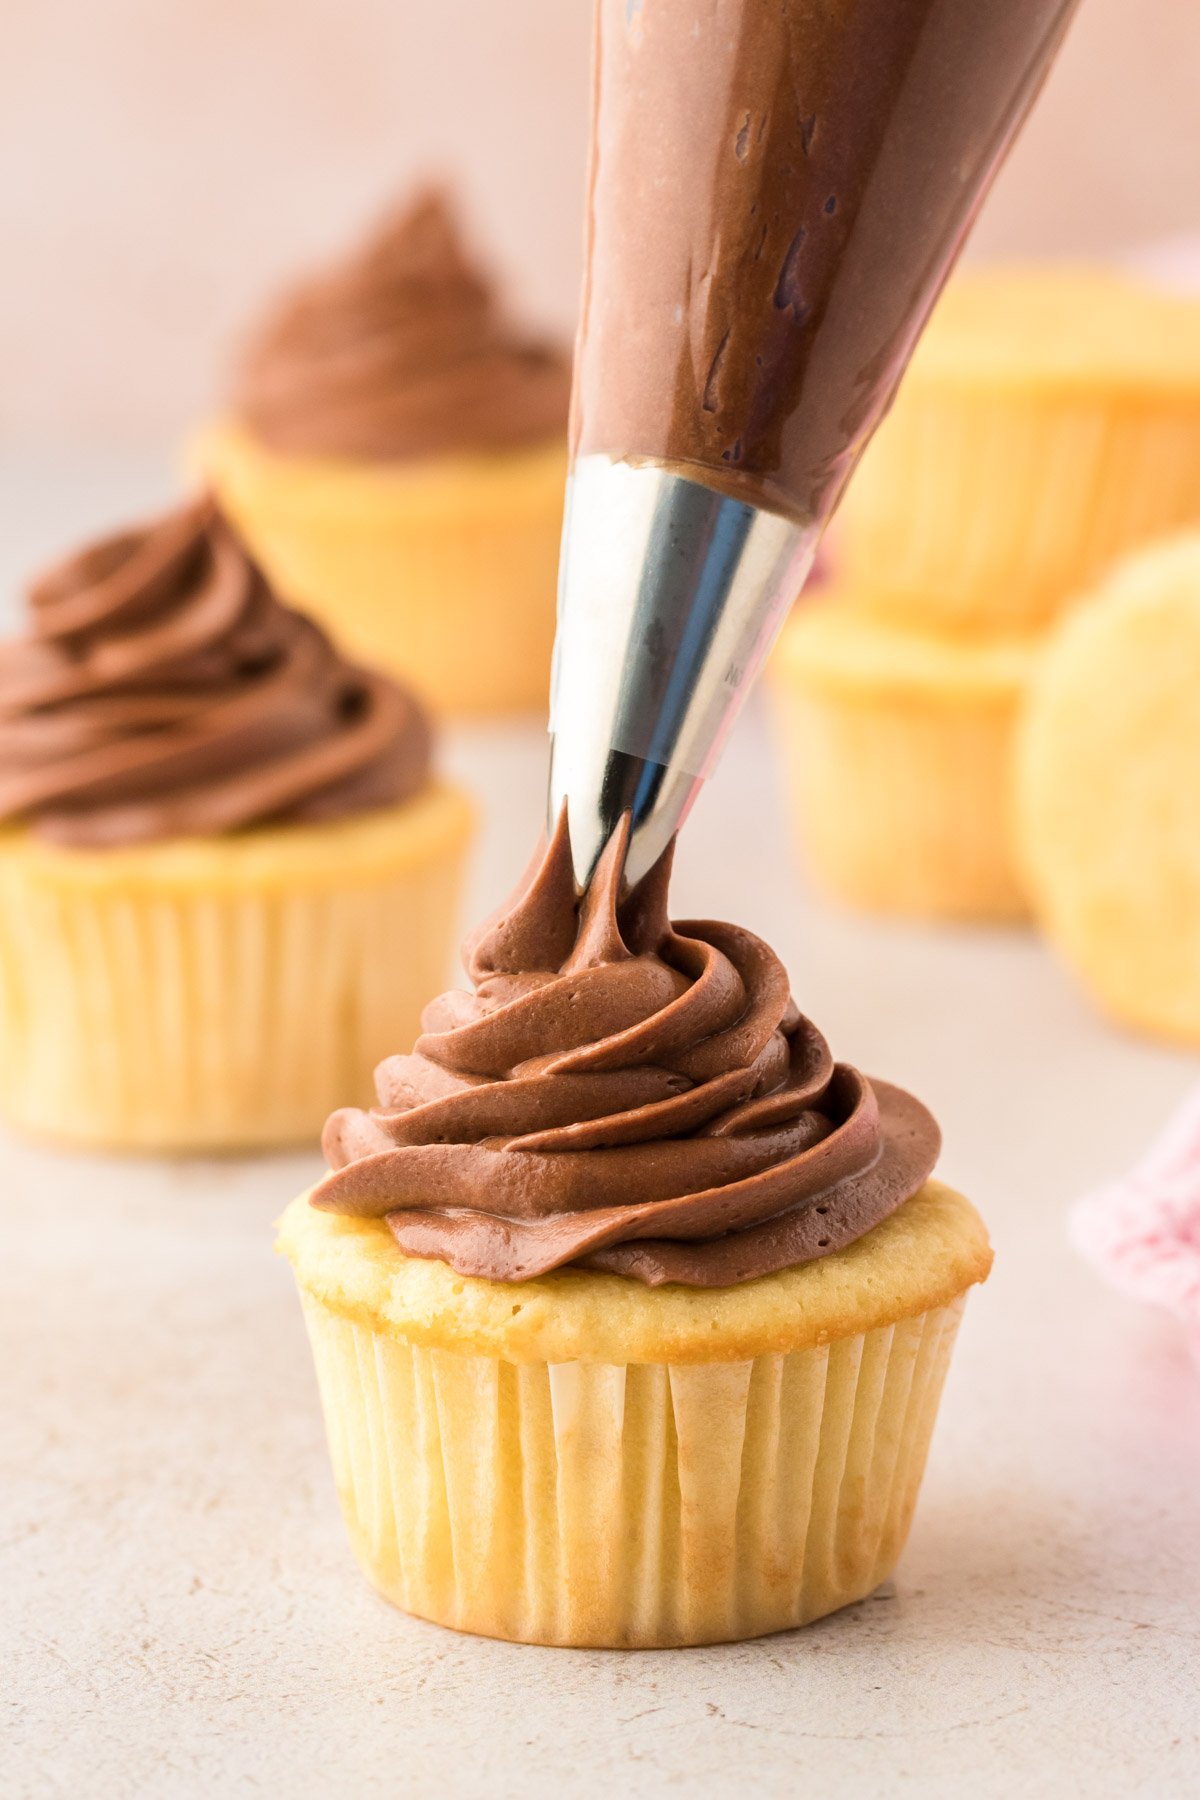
(670, 597)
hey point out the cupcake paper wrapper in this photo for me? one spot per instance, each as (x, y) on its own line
(978, 509)
(445, 574)
(234, 998)
(638, 1505)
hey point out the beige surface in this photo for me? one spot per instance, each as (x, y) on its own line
(174, 162)
(181, 1616)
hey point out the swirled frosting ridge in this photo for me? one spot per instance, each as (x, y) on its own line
(164, 690)
(623, 1093)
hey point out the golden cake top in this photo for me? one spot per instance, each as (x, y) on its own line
(1061, 325)
(845, 643)
(921, 1257)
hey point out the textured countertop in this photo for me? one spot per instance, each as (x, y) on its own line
(180, 1614)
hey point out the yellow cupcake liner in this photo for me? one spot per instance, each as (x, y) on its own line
(1050, 421)
(634, 1505)
(978, 509)
(443, 572)
(897, 753)
(220, 993)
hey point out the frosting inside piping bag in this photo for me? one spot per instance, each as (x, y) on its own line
(623, 1093)
(777, 192)
(164, 691)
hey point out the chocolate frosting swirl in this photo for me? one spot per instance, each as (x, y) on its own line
(402, 351)
(626, 1094)
(165, 691)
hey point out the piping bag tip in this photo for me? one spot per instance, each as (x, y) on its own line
(671, 594)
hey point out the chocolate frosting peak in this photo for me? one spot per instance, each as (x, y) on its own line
(626, 1094)
(401, 351)
(165, 691)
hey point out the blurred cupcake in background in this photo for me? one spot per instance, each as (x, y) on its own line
(1108, 791)
(1049, 422)
(1050, 419)
(395, 456)
(225, 867)
(896, 747)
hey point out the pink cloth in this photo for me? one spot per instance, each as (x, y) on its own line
(1173, 262)
(1142, 1232)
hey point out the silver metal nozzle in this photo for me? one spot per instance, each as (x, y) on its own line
(670, 597)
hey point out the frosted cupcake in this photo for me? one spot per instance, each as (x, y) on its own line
(1049, 422)
(631, 1308)
(395, 456)
(225, 866)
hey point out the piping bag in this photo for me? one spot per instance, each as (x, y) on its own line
(777, 192)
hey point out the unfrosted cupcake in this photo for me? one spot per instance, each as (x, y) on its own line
(631, 1309)
(897, 747)
(395, 455)
(1108, 790)
(1049, 422)
(225, 866)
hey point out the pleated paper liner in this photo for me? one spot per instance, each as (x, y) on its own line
(990, 511)
(1050, 422)
(443, 572)
(641, 1505)
(225, 992)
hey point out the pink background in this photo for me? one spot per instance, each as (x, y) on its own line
(163, 163)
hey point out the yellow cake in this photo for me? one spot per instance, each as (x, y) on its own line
(896, 747)
(1109, 791)
(1049, 422)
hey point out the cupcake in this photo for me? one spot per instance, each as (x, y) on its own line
(225, 868)
(395, 456)
(630, 1307)
(1049, 422)
(897, 748)
(1108, 791)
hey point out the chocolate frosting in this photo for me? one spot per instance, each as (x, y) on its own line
(402, 351)
(625, 1094)
(776, 195)
(164, 690)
